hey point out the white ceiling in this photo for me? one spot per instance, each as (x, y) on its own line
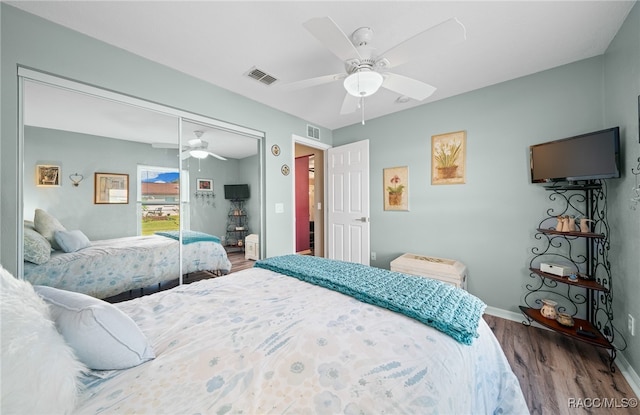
(219, 42)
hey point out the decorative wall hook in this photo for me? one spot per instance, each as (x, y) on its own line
(76, 179)
(635, 196)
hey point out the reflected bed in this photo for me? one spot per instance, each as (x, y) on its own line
(113, 266)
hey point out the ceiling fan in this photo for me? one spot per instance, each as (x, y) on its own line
(366, 72)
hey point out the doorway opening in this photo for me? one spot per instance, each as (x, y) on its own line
(309, 200)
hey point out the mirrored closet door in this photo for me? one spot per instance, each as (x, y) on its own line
(102, 169)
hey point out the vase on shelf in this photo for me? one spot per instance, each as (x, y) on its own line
(548, 309)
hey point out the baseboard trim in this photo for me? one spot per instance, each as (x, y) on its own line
(623, 365)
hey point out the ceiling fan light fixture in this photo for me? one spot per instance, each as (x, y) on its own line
(199, 154)
(363, 83)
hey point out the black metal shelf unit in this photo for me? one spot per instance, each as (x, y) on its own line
(588, 299)
(237, 228)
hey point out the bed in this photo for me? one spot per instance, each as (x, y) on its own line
(259, 341)
(109, 267)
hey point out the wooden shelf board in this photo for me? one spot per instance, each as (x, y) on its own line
(576, 234)
(582, 282)
(599, 340)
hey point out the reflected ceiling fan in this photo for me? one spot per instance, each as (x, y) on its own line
(366, 72)
(196, 148)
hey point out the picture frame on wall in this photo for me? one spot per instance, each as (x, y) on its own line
(47, 175)
(111, 188)
(395, 184)
(448, 158)
(204, 185)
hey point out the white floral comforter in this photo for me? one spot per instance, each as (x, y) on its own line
(113, 266)
(258, 342)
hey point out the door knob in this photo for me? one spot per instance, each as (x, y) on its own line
(363, 219)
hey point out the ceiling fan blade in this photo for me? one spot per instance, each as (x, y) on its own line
(403, 85)
(311, 82)
(195, 142)
(350, 104)
(164, 145)
(217, 156)
(329, 34)
(435, 39)
(185, 155)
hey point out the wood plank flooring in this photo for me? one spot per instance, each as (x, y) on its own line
(555, 371)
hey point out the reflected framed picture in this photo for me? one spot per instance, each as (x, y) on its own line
(111, 188)
(396, 188)
(204, 185)
(47, 175)
(448, 158)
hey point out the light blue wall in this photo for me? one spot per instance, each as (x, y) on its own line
(36, 43)
(622, 88)
(488, 223)
(87, 154)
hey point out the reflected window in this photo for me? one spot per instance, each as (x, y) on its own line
(159, 199)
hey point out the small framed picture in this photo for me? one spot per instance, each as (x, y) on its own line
(111, 188)
(204, 185)
(47, 175)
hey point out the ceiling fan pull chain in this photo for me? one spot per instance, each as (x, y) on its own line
(362, 106)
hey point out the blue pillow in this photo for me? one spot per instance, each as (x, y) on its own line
(71, 241)
(102, 335)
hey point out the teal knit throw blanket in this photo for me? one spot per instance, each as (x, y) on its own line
(451, 310)
(189, 237)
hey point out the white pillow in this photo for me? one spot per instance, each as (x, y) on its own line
(103, 337)
(46, 225)
(36, 248)
(40, 373)
(71, 241)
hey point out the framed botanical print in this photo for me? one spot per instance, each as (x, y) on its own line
(448, 158)
(396, 188)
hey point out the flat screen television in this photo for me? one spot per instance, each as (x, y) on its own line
(584, 157)
(236, 191)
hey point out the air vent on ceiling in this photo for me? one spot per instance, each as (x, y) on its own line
(261, 76)
(313, 132)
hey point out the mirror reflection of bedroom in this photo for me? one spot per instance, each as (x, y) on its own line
(109, 185)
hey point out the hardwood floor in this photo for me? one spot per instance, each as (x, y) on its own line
(560, 375)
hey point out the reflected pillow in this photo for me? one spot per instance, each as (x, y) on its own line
(40, 373)
(103, 337)
(36, 248)
(46, 225)
(71, 241)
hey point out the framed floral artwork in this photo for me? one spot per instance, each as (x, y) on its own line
(204, 185)
(448, 158)
(396, 188)
(47, 175)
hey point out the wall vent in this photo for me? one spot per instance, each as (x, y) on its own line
(313, 132)
(261, 76)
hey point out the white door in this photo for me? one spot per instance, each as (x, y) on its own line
(348, 202)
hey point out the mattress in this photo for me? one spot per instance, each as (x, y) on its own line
(257, 341)
(113, 266)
